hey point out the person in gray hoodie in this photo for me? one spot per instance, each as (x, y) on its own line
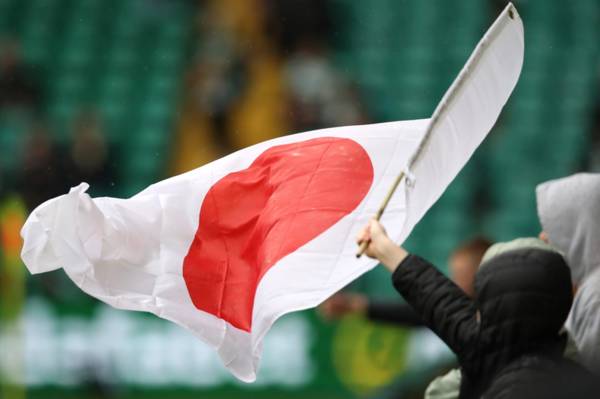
(569, 212)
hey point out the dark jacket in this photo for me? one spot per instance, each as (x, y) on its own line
(506, 339)
(401, 314)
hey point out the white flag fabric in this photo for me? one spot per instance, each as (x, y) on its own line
(467, 112)
(226, 249)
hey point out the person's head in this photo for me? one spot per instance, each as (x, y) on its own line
(464, 262)
(569, 211)
(523, 293)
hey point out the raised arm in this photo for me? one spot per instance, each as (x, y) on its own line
(391, 312)
(398, 313)
(440, 303)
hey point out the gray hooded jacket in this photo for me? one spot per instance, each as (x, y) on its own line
(569, 211)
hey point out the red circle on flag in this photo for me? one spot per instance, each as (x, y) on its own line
(252, 218)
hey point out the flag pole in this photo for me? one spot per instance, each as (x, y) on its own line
(384, 204)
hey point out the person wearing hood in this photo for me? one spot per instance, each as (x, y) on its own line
(569, 212)
(507, 338)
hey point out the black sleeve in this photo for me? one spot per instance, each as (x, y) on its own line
(442, 306)
(394, 313)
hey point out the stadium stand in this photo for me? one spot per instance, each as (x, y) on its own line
(114, 56)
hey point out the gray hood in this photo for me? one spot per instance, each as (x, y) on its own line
(569, 211)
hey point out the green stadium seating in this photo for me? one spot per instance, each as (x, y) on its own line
(111, 55)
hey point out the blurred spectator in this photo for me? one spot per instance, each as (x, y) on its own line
(318, 96)
(18, 87)
(218, 78)
(42, 173)
(89, 157)
(293, 22)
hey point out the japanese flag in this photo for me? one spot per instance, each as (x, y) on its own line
(226, 249)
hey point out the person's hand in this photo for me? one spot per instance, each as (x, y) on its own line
(376, 236)
(380, 246)
(342, 304)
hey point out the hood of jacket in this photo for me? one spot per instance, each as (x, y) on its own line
(569, 212)
(523, 297)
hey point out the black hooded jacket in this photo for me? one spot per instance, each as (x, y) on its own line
(507, 339)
